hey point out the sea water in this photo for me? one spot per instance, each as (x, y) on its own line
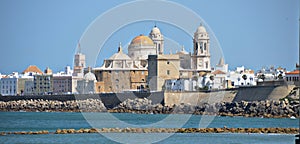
(35, 121)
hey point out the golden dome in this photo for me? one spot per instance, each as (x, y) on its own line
(142, 40)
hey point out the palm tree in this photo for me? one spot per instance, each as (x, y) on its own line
(244, 77)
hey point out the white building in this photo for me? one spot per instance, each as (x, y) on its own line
(9, 85)
(87, 84)
(237, 77)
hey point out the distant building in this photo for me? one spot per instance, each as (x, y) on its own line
(63, 81)
(62, 84)
(79, 65)
(22, 79)
(43, 83)
(87, 84)
(161, 68)
(293, 77)
(9, 85)
(241, 77)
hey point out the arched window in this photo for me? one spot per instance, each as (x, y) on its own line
(201, 47)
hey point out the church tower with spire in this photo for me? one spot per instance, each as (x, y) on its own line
(201, 54)
(79, 63)
(158, 39)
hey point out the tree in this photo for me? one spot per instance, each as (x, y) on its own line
(263, 77)
(280, 76)
(244, 77)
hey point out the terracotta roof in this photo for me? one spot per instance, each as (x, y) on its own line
(32, 68)
(293, 72)
(218, 72)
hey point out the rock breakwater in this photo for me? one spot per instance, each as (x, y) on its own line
(88, 105)
(161, 130)
(282, 108)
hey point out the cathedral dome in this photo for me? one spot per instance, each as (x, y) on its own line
(120, 55)
(89, 77)
(155, 30)
(141, 40)
(201, 29)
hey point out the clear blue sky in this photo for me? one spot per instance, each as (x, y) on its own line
(45, 33)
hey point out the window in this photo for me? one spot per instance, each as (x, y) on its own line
(168, 72)
(168, 62)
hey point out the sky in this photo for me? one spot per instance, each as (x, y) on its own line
(46, 33)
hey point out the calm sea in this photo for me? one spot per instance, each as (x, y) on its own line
(34, 121)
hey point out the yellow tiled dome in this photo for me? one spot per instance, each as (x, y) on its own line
(142, 40)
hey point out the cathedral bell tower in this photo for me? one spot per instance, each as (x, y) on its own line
(201, 54)
(158, 39)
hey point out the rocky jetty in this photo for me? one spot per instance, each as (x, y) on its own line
(283, 108)
(162, 130)
(88, 105)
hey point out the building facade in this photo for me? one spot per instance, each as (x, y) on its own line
(43, 84)
(9, 85)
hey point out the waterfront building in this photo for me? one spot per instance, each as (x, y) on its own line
(161, 68)
(292, 77)
(241, 77)
(9, 85)
(63, 82)
(22, 79)
(87, 84)
(43, 83)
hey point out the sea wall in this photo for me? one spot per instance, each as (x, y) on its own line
(259, 93)
(196, 98)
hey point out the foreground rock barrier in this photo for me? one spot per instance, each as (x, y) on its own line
(162, 130)
(88, 105)
(282, 108)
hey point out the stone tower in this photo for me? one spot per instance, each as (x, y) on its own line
(158, 39)
(201, 55)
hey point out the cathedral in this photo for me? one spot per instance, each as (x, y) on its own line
(145, 66)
